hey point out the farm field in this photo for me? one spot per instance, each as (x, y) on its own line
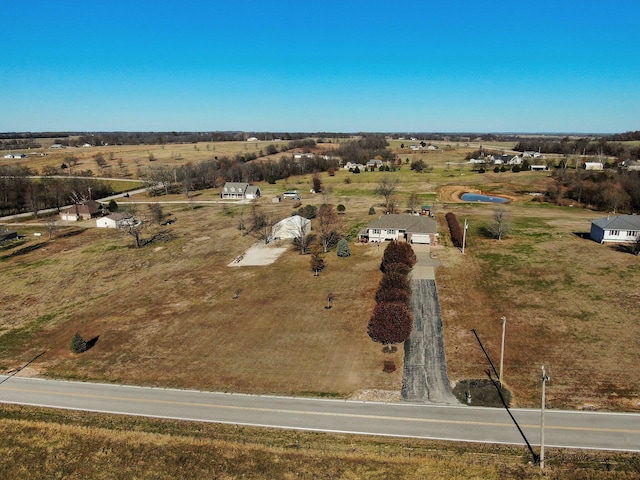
(165, 314)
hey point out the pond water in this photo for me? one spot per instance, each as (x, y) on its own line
(476, 197)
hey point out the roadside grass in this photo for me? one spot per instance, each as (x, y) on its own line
(47, 443)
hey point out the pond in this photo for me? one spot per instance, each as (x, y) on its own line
(476, 197)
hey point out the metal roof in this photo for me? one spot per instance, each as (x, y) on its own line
(619, 222)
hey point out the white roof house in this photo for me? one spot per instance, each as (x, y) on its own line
(619, 228)
(292, 227)
(115, 220)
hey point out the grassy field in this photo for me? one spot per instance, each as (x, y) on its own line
(42, 443)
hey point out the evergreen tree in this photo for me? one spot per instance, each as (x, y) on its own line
(78, 344)
(342, 249)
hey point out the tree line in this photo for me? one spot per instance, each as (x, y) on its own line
(19, 193)
(579, 146)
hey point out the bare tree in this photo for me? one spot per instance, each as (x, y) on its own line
(413, 202)
(328, 226)
(387, 187)
(261, 223)
(501, 225)
(134, 226)
(51, 225)
(156, 213)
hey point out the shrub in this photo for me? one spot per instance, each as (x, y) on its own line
(372, 211)
(308, 211)
(317, 262)
(391, 322)
(394, 280)
(454, 229)
(343, 250)
(78, 344)
(393, 295)
(398, 252)
(397, 268)
(496, 169)
(113, 206)
(341, 208)
(356, 170)
(347, 180)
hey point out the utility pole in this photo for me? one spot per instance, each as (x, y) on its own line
(504, 326)
(545, 379)
(464, 235)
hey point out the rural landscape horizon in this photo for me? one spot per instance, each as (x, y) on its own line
(346, 214)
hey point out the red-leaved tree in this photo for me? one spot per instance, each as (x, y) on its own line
(393, 295)
(390, 323)
(398, 252)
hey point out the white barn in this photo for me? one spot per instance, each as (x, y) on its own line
(292, 227)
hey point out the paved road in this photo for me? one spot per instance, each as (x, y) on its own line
(606, 431)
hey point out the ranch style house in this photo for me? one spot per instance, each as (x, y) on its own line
(411, 228)
(620, 228)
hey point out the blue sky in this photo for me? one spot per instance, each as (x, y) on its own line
(340, 66)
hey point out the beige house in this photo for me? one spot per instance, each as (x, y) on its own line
(81, 211)
(411, 228)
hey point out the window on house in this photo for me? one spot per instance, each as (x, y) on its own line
(391, 231)
(376, 231)
(615, 233)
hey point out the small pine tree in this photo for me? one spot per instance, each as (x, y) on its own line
(342, 250)
(113, 206)
(78, 344)
(372, 211)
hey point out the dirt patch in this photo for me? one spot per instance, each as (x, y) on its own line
(258, 254)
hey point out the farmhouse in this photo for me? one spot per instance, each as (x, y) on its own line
(81, 211)
(412, 228)
(621, 228)
(292, 227)
(115, 220)
(239, 191)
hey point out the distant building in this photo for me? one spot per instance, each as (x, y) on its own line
(81, 211)
(239, 191)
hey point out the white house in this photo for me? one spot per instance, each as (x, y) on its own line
(292, 227)
(239, 191)
(539, 168)
(620, 228)
(115, 220)
(412, 228)
(593, 166)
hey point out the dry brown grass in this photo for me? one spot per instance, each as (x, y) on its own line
(43, 443)
(165, 314)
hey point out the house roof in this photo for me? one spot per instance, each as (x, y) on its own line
(119, 216)
(235, 187)
(406, 222)
(90, 206)
(619, 222)
(251, 189)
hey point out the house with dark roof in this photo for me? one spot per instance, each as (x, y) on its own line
(411, 228)
(239, 191)
(82, 211)
(619, 228)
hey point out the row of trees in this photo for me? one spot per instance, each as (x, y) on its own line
(457, 235)
(579, 146)
(19, 193)
(391, 321)
(165, 179)
(609, 190)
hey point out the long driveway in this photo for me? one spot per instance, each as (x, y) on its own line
(607, 431)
